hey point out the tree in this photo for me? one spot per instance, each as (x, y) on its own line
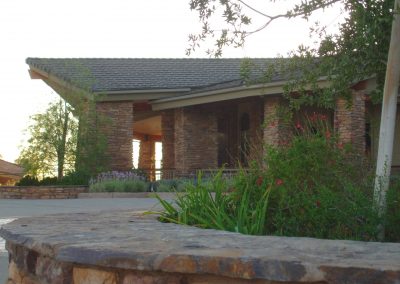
(52, 144)
(359, 50)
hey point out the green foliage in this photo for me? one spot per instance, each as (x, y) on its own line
(312, 186)
(140, 173)
(92, 142)
(392, 219)
(358, 50)
(119, 186)
(71, 178)
(118, 182)
(207, 205)
(28, 180)
(75, 178)
(52, 143)
(169, 185)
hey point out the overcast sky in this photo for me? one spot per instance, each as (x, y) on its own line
(100, 28)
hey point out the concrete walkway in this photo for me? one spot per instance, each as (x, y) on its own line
(11, 209)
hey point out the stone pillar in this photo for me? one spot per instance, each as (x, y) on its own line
(115, 121)
(147, 157)
(350, 120)
(277, 129)
(196, 139)
(168, 139)
(147, 154)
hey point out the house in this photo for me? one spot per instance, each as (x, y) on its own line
(10, 173)
(200, 109)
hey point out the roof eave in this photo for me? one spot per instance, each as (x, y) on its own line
(273, 88)
(104, 96)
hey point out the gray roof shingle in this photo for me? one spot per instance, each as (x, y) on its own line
(128, 74)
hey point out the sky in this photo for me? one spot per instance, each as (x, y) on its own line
(117, 29)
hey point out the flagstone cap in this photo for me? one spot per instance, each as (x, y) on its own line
(133, 241)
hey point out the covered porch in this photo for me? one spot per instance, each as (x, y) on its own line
(187, 115)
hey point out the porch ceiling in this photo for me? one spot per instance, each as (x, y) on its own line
(149, 126)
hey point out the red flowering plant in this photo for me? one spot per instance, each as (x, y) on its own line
(309, 186)
(319, 189)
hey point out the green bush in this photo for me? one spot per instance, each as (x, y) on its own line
(207, 205)
(310, 187)
(392, 220)
(75, 178)
(71, 178)
(28, 181)
(170, 185)
(119, 186)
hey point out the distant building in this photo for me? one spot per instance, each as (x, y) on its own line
(10, 173)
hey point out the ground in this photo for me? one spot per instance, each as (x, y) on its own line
(23, 208)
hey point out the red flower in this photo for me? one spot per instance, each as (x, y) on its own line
(298, 126)
(279, 182)
(328, 134)
(313, 117)
(318, 203)
(259, 181)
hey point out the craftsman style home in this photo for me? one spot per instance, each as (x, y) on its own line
(200, 109)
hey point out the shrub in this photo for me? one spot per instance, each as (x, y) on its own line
(119, 186)
(27, 181)
(118, 182)
(170, 185)
(206, 204)
(75, 178)
(71, 178)
(310, 187)
(392, 220)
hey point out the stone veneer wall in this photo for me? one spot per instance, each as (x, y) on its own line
(255, 138)
(168, 139)
(41, 192)
(118, 130)
(276, 131)
(81, 249)
(350, 120)
(196, 145)
(147, 154)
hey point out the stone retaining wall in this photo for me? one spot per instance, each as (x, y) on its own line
(127, 247)
(41, 192)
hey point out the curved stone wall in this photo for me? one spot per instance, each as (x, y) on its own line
(126, 247)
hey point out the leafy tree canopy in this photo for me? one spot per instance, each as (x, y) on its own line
(52, 144)
(357, 51)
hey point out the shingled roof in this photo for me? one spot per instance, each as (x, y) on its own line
(10, 169)
(129, 74)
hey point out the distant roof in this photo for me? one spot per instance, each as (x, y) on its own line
(10, 169)
(129, 74)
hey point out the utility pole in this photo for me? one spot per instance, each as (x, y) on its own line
(388, 119)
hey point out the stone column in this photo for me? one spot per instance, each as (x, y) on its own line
(168, 139)
(196, 139)
(147, 157)
(147, 154)
(277, 129)
(350, 120)
(115, 122)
